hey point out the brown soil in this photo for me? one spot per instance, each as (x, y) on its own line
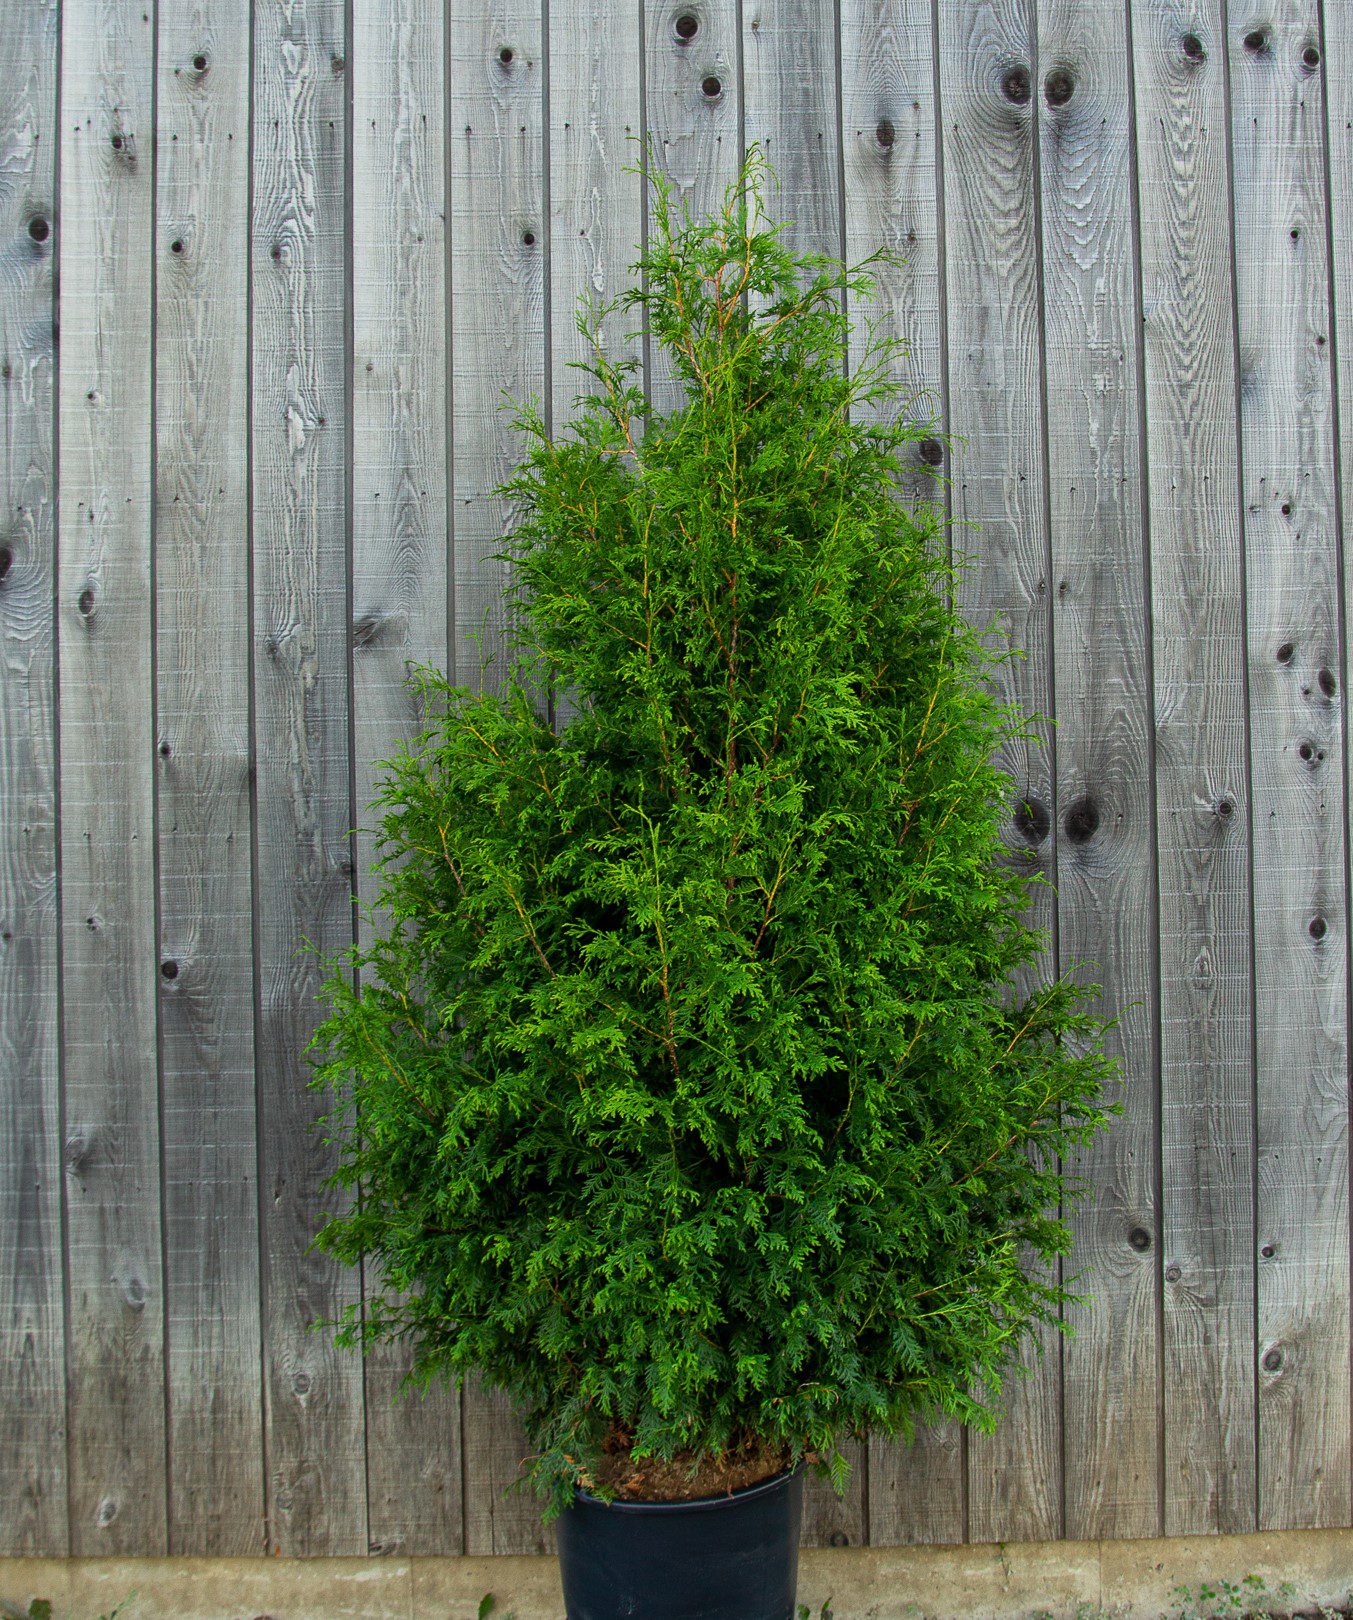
(686, 1476)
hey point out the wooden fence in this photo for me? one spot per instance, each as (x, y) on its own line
(293, 251)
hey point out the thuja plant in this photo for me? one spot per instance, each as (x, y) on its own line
(685, 1083)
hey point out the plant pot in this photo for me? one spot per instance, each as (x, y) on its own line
(730, 1557)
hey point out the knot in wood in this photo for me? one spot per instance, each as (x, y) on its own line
(885, 134)
(1015, 85)
(932, 452)
(1082, 820)
(1269, 1250)
(1140, 1239)
(39, 228)
(1256, 40)
(1032, 820)
(6, 561)
(1059, 87)
(1317, 927)
(840, 1539)
(1273, 1359)
(1173, 1272)
(169, 969)
(1192, 48)
(686, 27)
(1327, 683)
(1310, 58)
(712, 87)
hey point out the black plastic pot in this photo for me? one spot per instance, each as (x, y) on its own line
(717, 1558)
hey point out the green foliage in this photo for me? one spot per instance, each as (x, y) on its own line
(689, 1091)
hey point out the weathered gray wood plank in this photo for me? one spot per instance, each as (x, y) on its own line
(202, 725)
(1202, 789)
(314, 1406)
(690, 46)
(1102, 699)
(1297, 765)
(891, 202)
(991, 269)
(500, 234)
(499, 244)
(32, 1309)
(400, 563)
(109, 964)
(792, 109)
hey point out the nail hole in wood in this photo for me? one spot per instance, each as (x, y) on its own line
(885, 134)
(712, 88)
(1015, 85)
(1059, 87)
(1192, 47)
(1082, 821)
(686, 27)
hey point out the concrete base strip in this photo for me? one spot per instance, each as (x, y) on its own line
(1131, 1579)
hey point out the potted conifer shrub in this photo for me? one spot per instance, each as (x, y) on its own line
(686, 1083)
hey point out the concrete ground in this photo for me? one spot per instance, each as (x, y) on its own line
(1131, 1579)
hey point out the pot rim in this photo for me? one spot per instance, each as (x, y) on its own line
(763, 1487)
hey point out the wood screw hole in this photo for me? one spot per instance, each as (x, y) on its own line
(686, 27)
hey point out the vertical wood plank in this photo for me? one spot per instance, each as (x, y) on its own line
(314, 1406)
(399, 581)
(1102, 699)
(792, 109)
(32, 1311)
(499, 231)
(1202, 789)
(109, 973)
(992, 270)
(500, 228)
(691, 47)
(1297, 764)
(891, 201)
(205, 839)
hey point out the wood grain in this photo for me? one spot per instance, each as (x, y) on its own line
(501, 230)
(891, 203)
(691, 46)
(1202, 788)
(994, 341)
(109, 960)
(1296, 665)
(32, 1307)
(304, 855)
(400, 567)
(499, 258)
(203, 751)
(1102, 700)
